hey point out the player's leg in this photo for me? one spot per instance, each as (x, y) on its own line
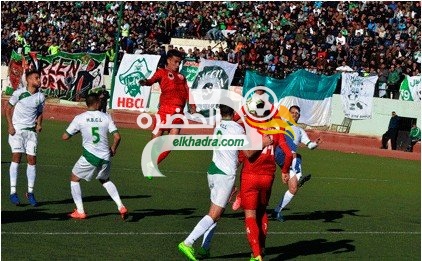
(82, 170)
(31, 142)
(250, 200)
(104, 178)
(17, 148)
(164, 154)
(220, 197)
(75, 189)
(13, 174)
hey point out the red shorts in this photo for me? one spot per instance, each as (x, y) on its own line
(255, 190)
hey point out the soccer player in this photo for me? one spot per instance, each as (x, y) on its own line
(221, 178)
(174, 93)
(94, 126)
(296, 179)
(24, 119)
(257, 177)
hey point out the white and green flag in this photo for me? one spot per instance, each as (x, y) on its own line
(311, 92)
(357, 95)
(410, 88)
(127, 93)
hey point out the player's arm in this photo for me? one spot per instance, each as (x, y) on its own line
(286, 145)
(116, 141)
(40, 110)
(71, 130)
(305, 140)
(9, 113)
(148, 82)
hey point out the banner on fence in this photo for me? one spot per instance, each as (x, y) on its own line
(410, 88)
(63, 75)
(212, 74)
(127, 93)
(357, 95)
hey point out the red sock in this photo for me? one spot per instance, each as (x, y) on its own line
(163, 156)
(263, 230)
(252, 233)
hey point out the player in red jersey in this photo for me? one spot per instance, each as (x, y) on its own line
(174, 94)
(257, 177)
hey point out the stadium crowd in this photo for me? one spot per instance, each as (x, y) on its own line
(275, 38)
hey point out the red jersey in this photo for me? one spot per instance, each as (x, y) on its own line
(261, 163)
(174, 90)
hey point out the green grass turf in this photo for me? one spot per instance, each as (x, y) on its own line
(355, 207)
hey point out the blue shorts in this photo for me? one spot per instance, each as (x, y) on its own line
(279, 159)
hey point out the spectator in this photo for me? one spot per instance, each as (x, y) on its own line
(392, 132)
(414, 137)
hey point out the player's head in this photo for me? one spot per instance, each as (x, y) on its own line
(33, 79)
(93, 100)
(174, 58)
(226, 108)
(295, 112)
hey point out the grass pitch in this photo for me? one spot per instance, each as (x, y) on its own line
(354, 207)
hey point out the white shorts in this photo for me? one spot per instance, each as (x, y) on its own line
(85, 170)
(24, 141)
(220, 188)
(296, 168)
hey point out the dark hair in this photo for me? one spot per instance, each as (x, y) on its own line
(174, 52)
(92, 98)
(226, 108)
(295, 107)
(29, 73)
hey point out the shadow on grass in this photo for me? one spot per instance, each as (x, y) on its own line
(142, 213)
(325, 216)
(91, 199)
(32, 214)
(300, 249)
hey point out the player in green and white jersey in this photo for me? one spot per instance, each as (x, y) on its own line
(221, 179)
(24, 119)
(94, 127)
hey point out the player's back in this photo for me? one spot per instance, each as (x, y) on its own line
(226, 160)
(262, 163)
(94, 127)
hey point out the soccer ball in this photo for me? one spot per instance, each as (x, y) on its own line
(258, 104)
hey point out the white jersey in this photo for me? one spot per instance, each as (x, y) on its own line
(302, 137)
(225, 161)
(94, 127)
(27, 107)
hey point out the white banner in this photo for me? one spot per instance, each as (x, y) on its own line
(357, 95)
(212, 74)
(127, 93)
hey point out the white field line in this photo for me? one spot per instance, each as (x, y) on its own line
(219, 233)
(202, 172)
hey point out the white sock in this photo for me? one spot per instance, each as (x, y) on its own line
(287, 198)
(206, 242)
(13, 172)
(203, 225)
(114, 194)
(75, 189)
(30, 174)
